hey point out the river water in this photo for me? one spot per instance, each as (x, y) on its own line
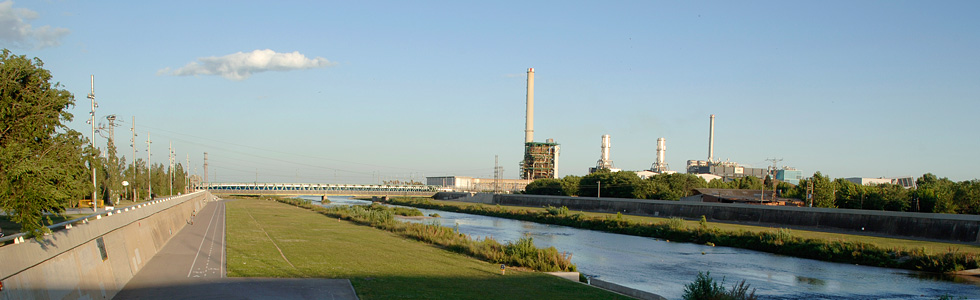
(664, 268)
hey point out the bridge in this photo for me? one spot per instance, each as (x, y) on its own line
(312, 189)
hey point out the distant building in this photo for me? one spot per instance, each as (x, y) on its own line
(788, 175)
(906, 182)
(727, 170)
(470, 184)
(648, 173)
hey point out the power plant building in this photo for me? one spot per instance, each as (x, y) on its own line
(470, 184)
(540, 159)
(726, 170)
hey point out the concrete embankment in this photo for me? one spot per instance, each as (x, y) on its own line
(940, 227)
(96, 257)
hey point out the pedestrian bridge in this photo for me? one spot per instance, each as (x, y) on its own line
(312, 189)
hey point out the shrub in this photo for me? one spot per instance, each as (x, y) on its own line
(705, 288)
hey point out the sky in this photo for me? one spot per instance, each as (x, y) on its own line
(366, 91)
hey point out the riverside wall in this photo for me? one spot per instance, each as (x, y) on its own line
(69, 263)
(930, 226)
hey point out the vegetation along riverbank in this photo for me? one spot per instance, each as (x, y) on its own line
(521, 253)
(271, 239)
(779, 241)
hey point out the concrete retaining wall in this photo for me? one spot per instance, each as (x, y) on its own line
(942, 227)
(68, 264)
(635, 293)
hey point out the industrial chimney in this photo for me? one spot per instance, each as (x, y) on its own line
(660, 166)
(604, 161)
(711, 140)
(529, 124)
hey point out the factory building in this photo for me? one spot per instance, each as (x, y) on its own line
(726, 169)
(906, 182)
(470, 184)
(540, 159)
(789, 175)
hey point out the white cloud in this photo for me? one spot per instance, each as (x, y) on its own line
(14, 28)
(239, 66)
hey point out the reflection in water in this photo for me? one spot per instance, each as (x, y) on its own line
(664, 268)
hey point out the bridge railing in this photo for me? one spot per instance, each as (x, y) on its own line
(301, 187)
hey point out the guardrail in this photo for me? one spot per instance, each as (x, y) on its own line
(19, 237)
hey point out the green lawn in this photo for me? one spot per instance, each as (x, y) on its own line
(380, 265)
(929, 246)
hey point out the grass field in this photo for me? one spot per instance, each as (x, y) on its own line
(929, 246)
(271, 239)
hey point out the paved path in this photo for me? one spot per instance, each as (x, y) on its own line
(192, 266)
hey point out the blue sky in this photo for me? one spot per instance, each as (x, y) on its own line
(401, 90)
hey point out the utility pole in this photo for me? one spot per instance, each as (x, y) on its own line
(809, 191)
(187, 176)
(135, 171)
(207, 184)
(95, 187)
(772, 175)
(112, 161)
(598, 189)
(149, 170)
(170, 157)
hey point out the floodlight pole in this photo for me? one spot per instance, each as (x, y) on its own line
(95, 187)
(149, 169)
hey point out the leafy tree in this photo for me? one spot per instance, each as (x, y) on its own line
(569, 185)
(748, 183)
(849, 194)
(823, 191)
(545, 186)
(934, 195)
(42, 162)
(671, 186)
(719, 183)
(967, 197)
(612, 184)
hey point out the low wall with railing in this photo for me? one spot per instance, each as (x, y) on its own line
(93, 257)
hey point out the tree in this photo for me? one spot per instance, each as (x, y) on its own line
(569, 185)
(967, 197)
(42, 162)
(823, 191)
(933, 194)
(545, 186)
(612, 184)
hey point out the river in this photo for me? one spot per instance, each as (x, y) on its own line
(664, 268)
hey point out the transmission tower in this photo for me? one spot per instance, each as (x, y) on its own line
(772, 175)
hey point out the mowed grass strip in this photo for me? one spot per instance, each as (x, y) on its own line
(380, 264)
(930, 247)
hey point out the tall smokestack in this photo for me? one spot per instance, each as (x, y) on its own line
(711, 140)
(529, 125)
(605, 150)
(661, 154)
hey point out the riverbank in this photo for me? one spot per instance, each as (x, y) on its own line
(380, 264)
(778, 241)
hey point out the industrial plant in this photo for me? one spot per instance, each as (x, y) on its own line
(729, 170)
(604, 161)
(540, 159)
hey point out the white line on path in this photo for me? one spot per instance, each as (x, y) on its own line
(202, 242)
